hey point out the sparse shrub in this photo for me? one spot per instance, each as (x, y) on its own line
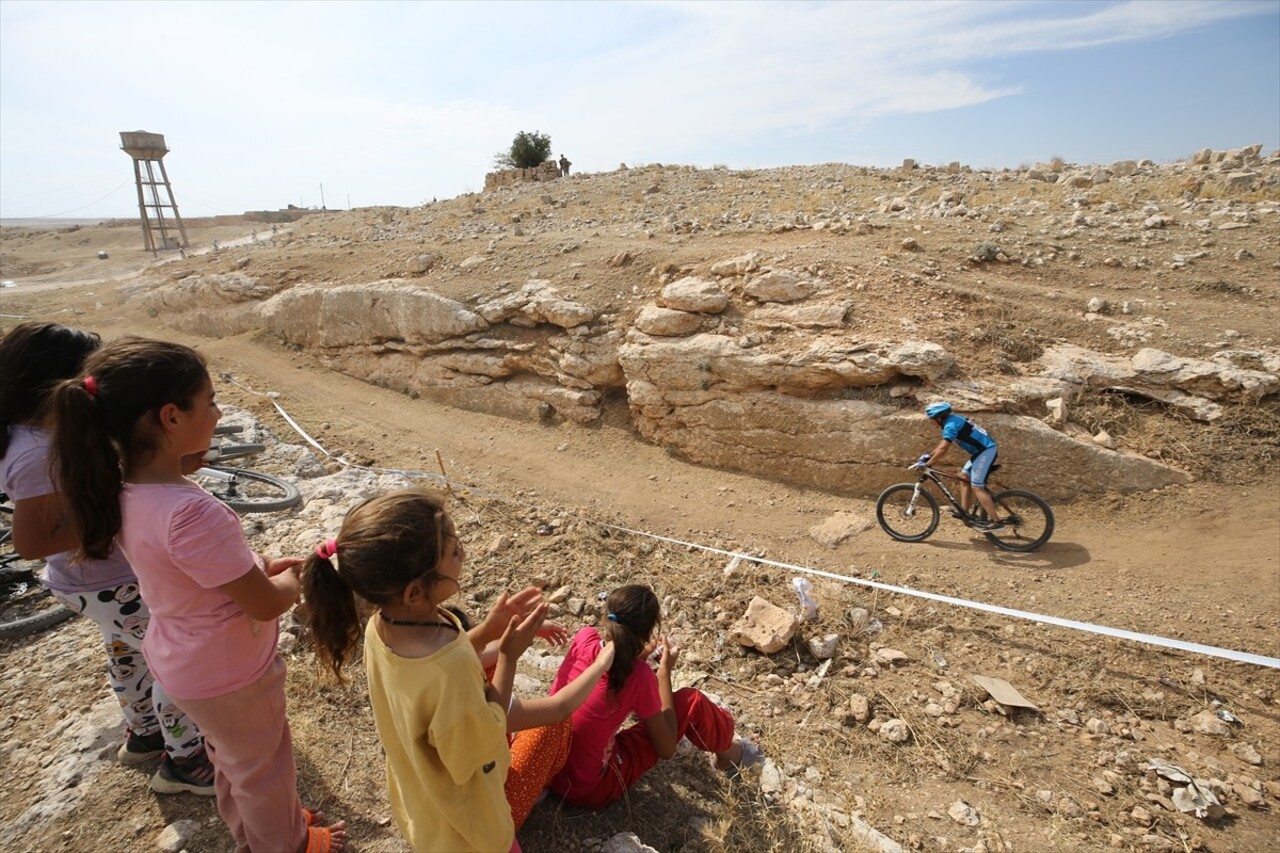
(527, 150)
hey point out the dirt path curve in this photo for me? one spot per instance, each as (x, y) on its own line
(1200, 563)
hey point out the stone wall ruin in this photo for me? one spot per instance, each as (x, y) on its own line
(547, 170)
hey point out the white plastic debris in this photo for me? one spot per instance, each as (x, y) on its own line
(808, 606)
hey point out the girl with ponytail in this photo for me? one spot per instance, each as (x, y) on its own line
(34, 357)
(604, 762)
(455, 780)
(126, 431)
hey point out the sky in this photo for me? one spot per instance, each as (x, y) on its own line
(397, 103)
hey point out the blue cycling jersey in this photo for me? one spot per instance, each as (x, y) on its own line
(972, 438)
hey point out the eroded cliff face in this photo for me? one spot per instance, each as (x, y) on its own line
(819, 407)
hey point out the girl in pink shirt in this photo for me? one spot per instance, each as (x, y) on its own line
(34, 357)
(125, 434)
(604, 762)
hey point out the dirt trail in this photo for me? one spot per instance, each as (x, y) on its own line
(1188, 563)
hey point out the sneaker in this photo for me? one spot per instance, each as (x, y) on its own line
(193, 775)
(991, 526)
(139, 748)
(955, 513)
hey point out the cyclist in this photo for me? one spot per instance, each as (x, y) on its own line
(980, 446)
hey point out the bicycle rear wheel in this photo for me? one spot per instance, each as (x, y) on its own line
(49, 613)
(251, 491)
(25, 605)
(906, 517)
(1029, 521)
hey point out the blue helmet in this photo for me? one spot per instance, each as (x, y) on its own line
(934, 409)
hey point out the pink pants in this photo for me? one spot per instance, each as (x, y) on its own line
(247, 736)
(708, 727)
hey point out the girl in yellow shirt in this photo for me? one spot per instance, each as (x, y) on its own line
(442, 725)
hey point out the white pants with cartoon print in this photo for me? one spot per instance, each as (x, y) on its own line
(122, 617)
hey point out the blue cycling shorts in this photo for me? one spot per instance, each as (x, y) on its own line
(979, 466)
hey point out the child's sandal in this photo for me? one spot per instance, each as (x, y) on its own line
(312, 817)
(319, 840)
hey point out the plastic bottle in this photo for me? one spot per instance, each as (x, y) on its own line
(808, 606)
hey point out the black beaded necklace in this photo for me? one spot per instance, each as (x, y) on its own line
(416, 623)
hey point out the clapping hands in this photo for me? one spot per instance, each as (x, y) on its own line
(520, 632)
(518, 606)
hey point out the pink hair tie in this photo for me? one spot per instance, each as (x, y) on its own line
(327, 550)
(91, 386)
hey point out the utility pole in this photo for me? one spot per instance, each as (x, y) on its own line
(322, 207)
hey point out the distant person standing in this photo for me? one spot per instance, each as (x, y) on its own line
(564, 166)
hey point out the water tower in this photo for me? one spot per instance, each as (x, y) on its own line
(147, 151)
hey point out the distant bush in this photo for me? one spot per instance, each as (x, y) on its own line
(527, 150)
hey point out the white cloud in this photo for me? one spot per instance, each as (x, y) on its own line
(397, 102)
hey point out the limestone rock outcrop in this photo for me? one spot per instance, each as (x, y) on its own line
(1191, 384)
(786, 408)
(360, 315)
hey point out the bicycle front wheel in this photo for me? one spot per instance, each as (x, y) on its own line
(252, 491)
(1028, 521)
(906, 515)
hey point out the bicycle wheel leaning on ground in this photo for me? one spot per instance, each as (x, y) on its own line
(906, 517)
(25, 605)
(248, 491)
(1030, 521)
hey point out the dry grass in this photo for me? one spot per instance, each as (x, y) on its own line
(1239, 448)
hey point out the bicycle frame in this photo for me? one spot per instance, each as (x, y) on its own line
(935, 476)
(215, 474)
(1027, 524)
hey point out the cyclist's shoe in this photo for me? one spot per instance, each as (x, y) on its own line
(955, 513)
(193, 775)
(139, 748)
(991, 526)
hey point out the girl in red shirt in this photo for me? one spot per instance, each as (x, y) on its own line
(603, 762)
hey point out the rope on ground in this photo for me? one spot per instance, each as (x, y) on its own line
(1038, 618)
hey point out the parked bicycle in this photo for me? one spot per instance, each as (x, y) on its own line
(25, 605)
(909, 512)
(241, 489)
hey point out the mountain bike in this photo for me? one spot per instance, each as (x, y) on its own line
(25, 605)
(243, 490)
(909, 511)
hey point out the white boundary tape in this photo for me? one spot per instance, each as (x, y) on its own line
(1039, 618)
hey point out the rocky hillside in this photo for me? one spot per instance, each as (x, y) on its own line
(1115, 325)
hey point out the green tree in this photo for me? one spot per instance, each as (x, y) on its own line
(527, 150)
